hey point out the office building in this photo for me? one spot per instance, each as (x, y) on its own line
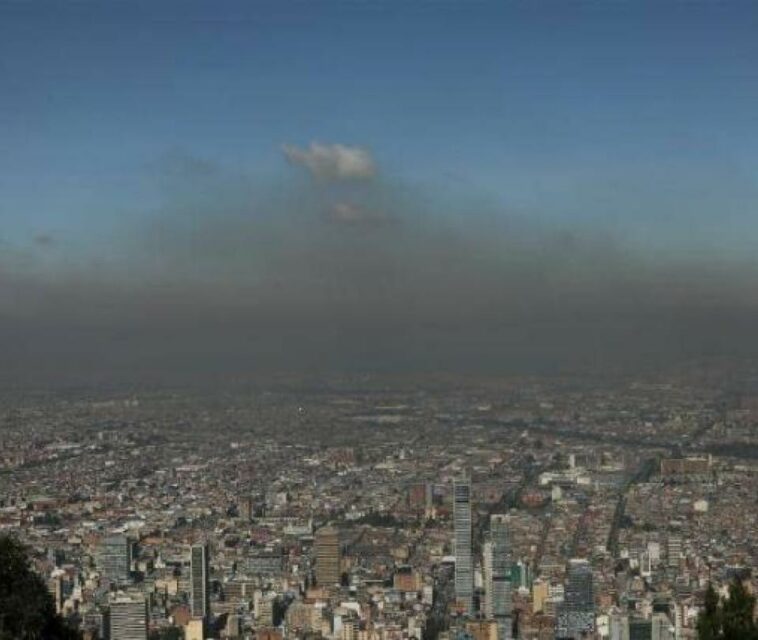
(464, 569)
(618, 626)
(661, 627)
(576, 615)
(114, 558)
(200, 581)
(194, 630)
(500, 586)
(487, 577)
(128, 618)
(327, 557)
(673, 550)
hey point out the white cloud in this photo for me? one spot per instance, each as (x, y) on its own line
(347, 212)
(350, 213)
(333, 161)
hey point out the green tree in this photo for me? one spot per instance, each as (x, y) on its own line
(737, 614)
(27, 611)
(709, 619)
(730, 618)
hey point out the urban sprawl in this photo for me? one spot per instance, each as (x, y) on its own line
(370, 509)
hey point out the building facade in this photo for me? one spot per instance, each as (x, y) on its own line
(128, 619)
(500, 586)
(464, 569)
(327, 557)
(114, 558)
(200, 581)
(576, 615)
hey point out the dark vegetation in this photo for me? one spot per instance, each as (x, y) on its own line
(27, 611)
(728, 618)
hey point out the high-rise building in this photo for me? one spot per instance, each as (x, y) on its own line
(540, 593)
(521, 574)
(194, 630)
(128, 618)
(96, 622)
(487, 577)
(464, 569)
(264, 609)
(327, 557)
(200, 581)
(619, 626)
(478, 630)
(233, 626)
(673, 549)
(114, 558)
(500, 587)
(640, 629)
(246, 508)
(661, 627)
(576, 615)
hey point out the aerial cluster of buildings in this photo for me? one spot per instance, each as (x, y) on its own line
(367, 511)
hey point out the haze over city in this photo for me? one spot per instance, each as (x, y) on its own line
(194, 190)
(378, 320)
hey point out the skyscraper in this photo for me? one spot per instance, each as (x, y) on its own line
(199, 581)
(114, 558)
(128, 618)
(327, 557)
(464, 570)
(576, 616)
(673, 550)
(661, 627)
(487, 576)
(500, 587)
(619, 626)
(246, 509)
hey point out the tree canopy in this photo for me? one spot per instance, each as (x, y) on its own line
(729, 618)
(27, 611)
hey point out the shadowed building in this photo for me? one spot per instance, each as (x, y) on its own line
(114, 558)
(327, 557)
(199, 581)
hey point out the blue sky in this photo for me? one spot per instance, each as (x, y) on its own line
(193, 187)
(637, 117)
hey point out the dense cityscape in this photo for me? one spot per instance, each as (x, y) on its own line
(376, 509)
(378, 320)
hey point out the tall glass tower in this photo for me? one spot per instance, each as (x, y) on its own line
(500, 582)
(114, 558)
(576, 616)
(199, 582)
(464, 569)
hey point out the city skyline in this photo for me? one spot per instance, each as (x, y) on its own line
(378, 320)
(530, 508)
